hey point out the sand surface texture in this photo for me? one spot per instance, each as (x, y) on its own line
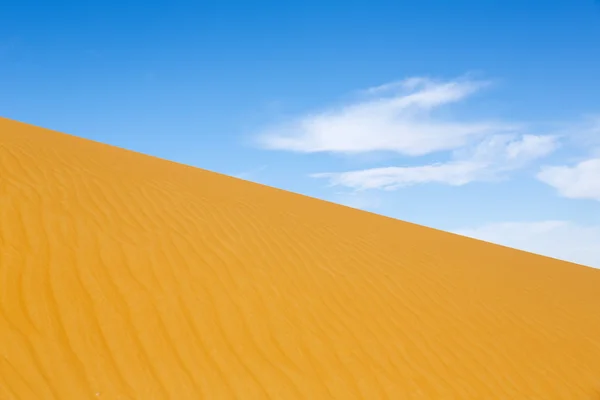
(124, 276)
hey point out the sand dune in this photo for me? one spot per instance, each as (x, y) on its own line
(123, 276)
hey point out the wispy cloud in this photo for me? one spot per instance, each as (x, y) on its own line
(579, 176)
(395, 117)
(391, 178)
(581, 181)
(559, 239)
(488, 160)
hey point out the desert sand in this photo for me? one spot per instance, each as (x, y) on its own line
(124, 276)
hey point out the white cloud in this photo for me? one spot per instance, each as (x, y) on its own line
(581, 181)
(559, 239)
(393, 117)
(487, 160)
(390, 178)
(511, 151)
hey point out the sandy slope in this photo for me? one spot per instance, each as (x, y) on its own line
(124, 276)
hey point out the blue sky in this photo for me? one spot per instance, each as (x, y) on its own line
(479, 117)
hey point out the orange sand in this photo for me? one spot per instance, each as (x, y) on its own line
(124, 276)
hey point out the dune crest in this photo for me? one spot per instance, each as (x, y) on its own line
(124, 276)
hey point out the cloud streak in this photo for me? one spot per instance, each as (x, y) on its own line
(581, 181)
(489, 160)
(396, 117)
